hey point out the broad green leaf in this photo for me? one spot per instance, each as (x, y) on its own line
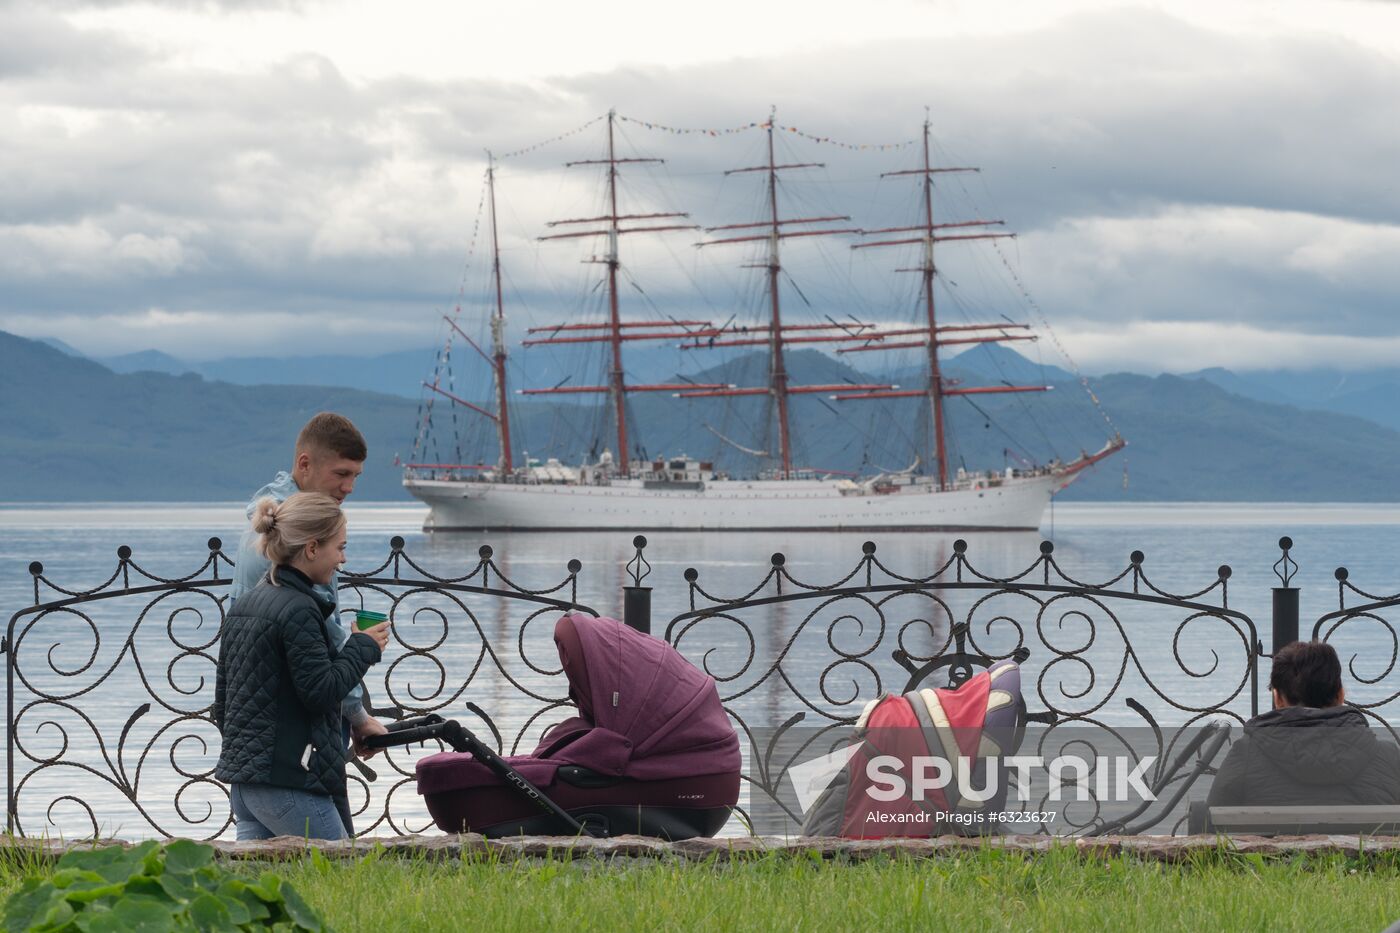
(152, 865)
(210, 877)
(148, 888)
(263, 894)
(236, 889)
(90, 915)
(237, 910)
(184, 856)
(299, 910)
(113, 862)
(87, 891)
(101, 923)
(139, 920)
(66, 876)
(29, 903)
(179, 887)
(109, 862)
(143, 915)
(141, 886)
(211, 916)
(55, 918)
(82, 858)
(146, 848)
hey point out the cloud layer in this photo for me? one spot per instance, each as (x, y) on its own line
(1165, 179)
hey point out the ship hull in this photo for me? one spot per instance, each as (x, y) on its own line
(732, 505)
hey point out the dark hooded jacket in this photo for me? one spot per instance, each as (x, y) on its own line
(1301, 756)
(279, 686)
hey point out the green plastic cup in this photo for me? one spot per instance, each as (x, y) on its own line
(365, 619)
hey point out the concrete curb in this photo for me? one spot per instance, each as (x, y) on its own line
(453, 847)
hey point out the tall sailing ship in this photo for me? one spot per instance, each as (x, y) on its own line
(630, 491)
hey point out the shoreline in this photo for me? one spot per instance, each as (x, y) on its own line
(410, 515)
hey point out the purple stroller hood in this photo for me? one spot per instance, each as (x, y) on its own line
(645, 711)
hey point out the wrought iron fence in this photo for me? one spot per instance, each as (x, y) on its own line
(1367, 672)
(134, 657)
(1085, 659)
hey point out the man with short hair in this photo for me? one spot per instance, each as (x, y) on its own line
(330, 455)
(1311, 749)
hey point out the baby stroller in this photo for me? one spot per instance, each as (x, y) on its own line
(651, 752)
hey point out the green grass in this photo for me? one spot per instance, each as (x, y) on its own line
(989, 890)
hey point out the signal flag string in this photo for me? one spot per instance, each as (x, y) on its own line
(553, 139)
(858, 147)
(726, 131)
(688, 131)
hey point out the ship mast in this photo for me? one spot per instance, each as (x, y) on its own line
(617, 387)
(777, 373)
(778, 386)
(497, 358)
(498, 327)
(616, 379)
(932, 333)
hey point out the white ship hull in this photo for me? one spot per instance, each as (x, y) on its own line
(1012, 504)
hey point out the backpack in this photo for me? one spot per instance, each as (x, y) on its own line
(919, 762)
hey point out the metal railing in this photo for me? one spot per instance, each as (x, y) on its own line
(108, 689)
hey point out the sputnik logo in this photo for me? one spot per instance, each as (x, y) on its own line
(811, 778)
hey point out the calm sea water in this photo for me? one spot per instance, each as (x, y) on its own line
(1184, 544)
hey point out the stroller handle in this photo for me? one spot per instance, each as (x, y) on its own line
(409, 732)
(410, 736)
(431, 719)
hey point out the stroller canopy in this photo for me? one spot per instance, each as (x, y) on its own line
(645, 712)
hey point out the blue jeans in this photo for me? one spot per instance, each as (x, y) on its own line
(262, 811)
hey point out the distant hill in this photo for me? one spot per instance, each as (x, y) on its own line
(399, 373)
(60, 345)
(72, 429)
(1371, 394)
(147, 361)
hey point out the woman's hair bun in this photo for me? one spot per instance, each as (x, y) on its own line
(284, 529)
(264, 515)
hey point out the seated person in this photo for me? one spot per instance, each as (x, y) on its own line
(1310, 749)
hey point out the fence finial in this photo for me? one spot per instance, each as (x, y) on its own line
(1285, 567)
(636, 599)
(638, 567)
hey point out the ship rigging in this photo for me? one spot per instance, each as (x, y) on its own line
(681, 492)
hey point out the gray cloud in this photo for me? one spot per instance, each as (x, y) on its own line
(1156, 171)
(36, 42)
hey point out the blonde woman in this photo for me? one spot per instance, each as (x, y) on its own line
(281, 680)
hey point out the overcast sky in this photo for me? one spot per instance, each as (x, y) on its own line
(1192, 184)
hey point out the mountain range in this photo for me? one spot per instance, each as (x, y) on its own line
(1370, 394)
(74, 429)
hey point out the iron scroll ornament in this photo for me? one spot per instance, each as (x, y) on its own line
(71, 685)
(867, 615)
